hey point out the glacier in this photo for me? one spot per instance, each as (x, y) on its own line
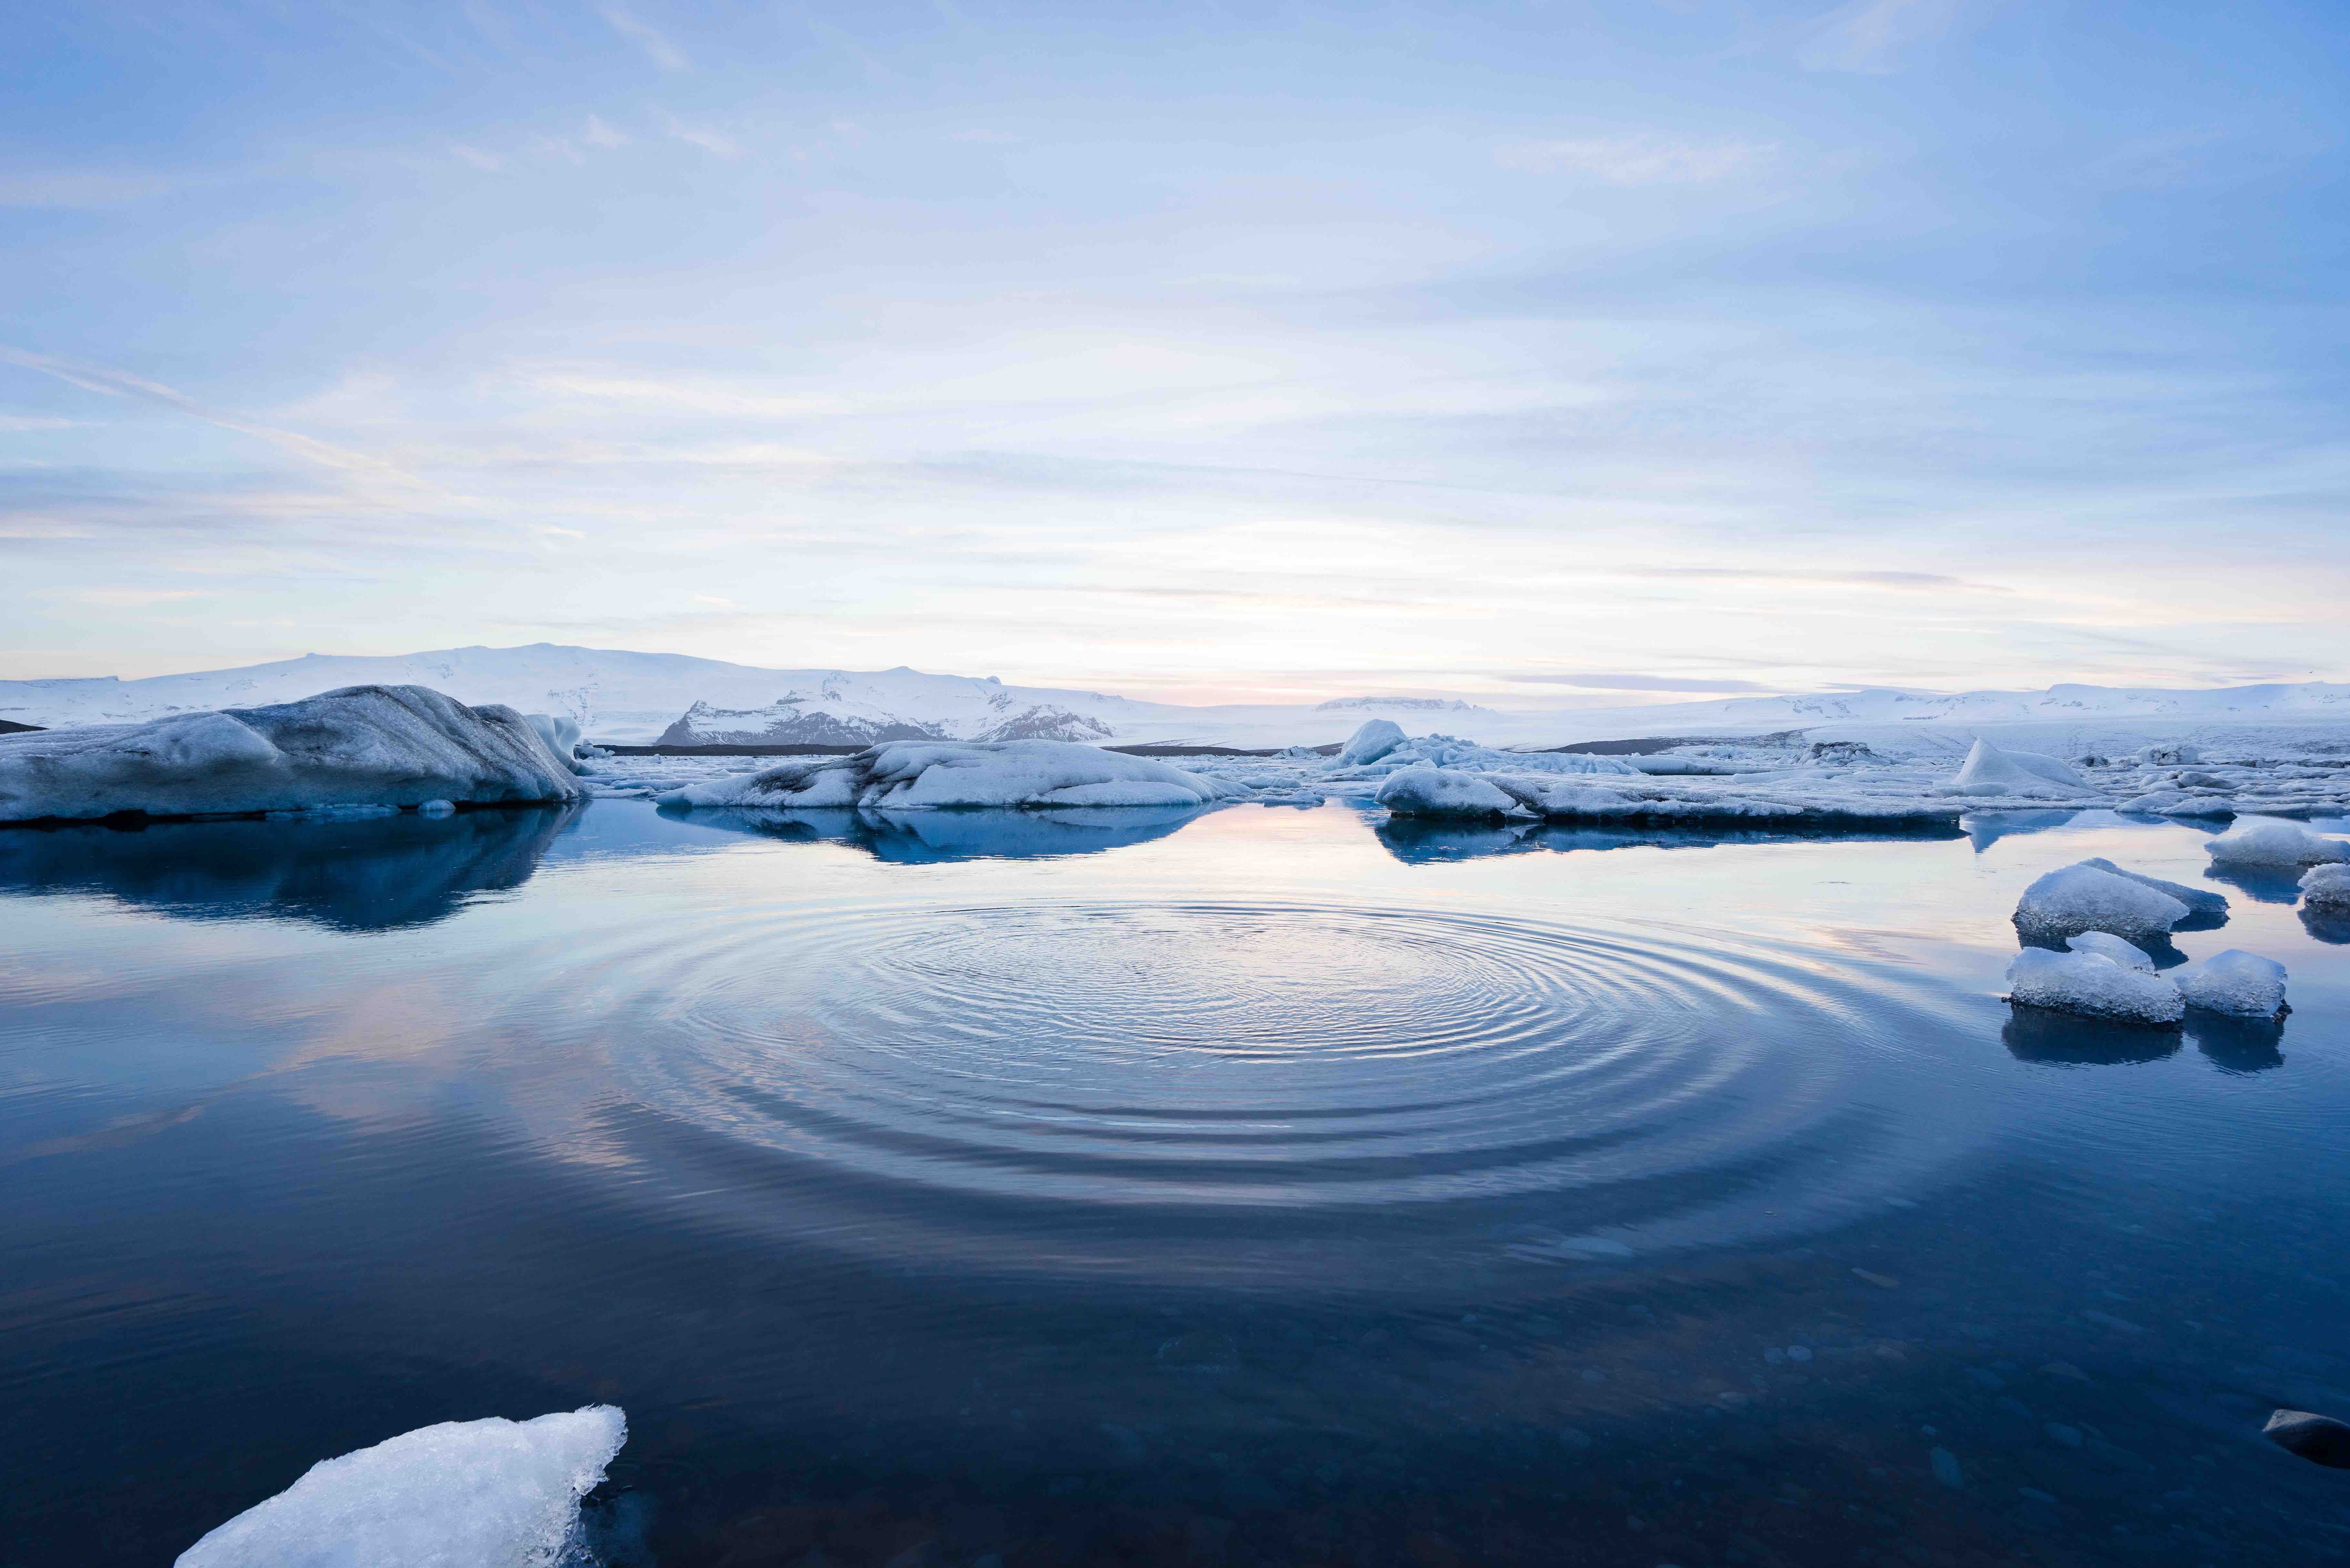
(359, 750)
(491, 1493)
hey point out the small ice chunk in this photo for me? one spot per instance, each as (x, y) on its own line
(2199, 900)
(2327, 887)
(2245, 984)
(2170, 756)
(1440, 792)
(2112, 949)
(2276, 844)
(463, 1494)
(1374, 740)
(2077, 898)
(2093, 986)
(1988, 771)
(437, 809)
(922, 775)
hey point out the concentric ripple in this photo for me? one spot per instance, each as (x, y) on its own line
(1105, 1066)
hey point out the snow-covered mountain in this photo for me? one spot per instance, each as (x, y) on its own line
(619, 695)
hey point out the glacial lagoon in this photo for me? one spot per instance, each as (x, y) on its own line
(1245, 1186)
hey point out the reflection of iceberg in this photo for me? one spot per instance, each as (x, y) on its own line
(925, 837)
(1985, 828)
(368, 875)
(1422, 840)
(2036, 1034)
(2261, 884)
(2237, 1044)
(2326, 925)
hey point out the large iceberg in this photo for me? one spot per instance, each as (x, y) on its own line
(1374, 740)
(2077, 898)
(463, 1494)
(382, 746)
(1990, 772)
(913, 775)
(2275, 845)
(2093, 986)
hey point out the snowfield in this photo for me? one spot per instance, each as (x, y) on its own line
(364, 748)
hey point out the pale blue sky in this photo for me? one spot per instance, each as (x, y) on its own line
(1541, 350)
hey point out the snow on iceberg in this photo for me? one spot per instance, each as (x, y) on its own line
(2092, 986)
(360, 746)
(2326, 889)
(463, 1494)
(2274, 844)
(2236, 981)
(2113, 950)
(1374, 740)
(912, 775)
(1988, 771)
(561, 735)
(1440, 791)
(2076, 898)
(2199, 900)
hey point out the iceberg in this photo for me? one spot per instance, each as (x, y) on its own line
(1374, 740)
(1988, 771)
(2092, 986)
(463, 1494)
(919, 775)
(1440, 791)
(561, 735)
(2235, 981)
(2112, 949)
(2076, 898)
(2327, 887)
(2272, 844)
(2199, 900)
(390, 746)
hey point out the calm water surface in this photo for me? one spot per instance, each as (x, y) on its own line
(1262, 1187)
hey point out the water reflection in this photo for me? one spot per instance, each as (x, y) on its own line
(930, 837)
(2331, 925)
(2065, 1039)
(372, 874)
(1426, 840)
(2278, 887)
(1985, 828)
(2237, 1044)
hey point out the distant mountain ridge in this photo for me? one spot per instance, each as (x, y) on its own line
(622, 695)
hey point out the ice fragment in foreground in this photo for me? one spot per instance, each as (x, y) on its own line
(2235, 981)
(2200, 900)
(463, 1494)
(2327, 887)
(2092, 986)
(2111, 949)
(2077, 898)
(2274, 843)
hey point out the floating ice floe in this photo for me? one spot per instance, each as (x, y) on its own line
(463, 1494)
(912, 775)
(2199, 900)
(2236, 981)
(2075, 898)
(2093, 986)
(2113, 950)
(2275, 845)
(363, 746)
(1990, 772)
(2327, 887)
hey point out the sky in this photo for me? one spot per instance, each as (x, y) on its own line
(1551, 353)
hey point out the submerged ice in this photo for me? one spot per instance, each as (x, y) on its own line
(463, 1494)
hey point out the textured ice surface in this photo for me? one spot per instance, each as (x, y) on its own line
(1374, 740)
(2327, 887)
(463, 1494)
(2093, 986)
(909, 776)
(2277, 844)
(1990, 772)
(2112, 949)
(2234, 981)
(2199, 900)
(364, 745)
(2081, 898)
(1440, 792)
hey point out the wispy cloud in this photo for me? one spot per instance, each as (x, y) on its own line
(1870, 37)
(599, 134)
(1594, 681)
(1636, 159)
(657, 47)
(704, 137)
(488, 162)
